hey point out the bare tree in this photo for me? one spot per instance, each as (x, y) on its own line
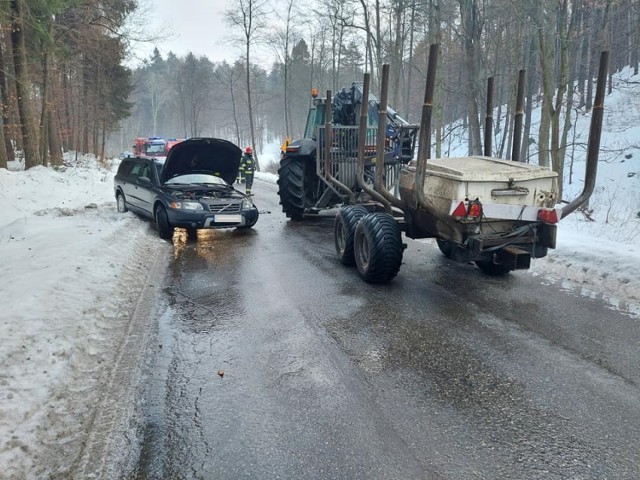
(229, 76)
(29, 138)
(282, 41)
(6, 147)
(249, 17)
(471, 38)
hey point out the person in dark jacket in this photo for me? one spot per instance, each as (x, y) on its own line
(248, 166)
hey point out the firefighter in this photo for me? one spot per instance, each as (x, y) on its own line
(240, 178)
(248, 166)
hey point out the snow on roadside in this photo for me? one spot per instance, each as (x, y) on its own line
(594, 267)
(69, 265)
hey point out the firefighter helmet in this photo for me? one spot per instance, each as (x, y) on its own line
(248, 150)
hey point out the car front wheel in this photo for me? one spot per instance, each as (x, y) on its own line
(165, 230)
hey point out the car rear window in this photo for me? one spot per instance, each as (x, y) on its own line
(125, 168)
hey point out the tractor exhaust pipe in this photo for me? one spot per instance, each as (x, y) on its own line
(595, 133)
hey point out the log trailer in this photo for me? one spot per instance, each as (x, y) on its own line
(497, 213)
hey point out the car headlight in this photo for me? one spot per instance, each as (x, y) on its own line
(247, 203)
(186, 205)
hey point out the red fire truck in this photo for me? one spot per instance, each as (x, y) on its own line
(151, 146)
(154, 146)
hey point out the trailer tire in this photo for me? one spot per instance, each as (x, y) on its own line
(445, 247)
(344, 229)
(493, 269)
(295, 185)
(378, 247)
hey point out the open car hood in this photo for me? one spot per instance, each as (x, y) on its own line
(204, 155)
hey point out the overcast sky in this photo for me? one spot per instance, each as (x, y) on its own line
(196, 26)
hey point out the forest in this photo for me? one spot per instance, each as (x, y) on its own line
(64, 85)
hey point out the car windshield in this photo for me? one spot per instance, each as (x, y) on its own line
(155, 148)
(158, 166)
(196, 179)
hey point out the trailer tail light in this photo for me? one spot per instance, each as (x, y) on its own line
(548, 215)
(471, 210)
(475, 209)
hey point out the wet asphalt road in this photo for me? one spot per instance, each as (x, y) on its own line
(275, 361)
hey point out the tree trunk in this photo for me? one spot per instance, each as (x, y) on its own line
(408, 92)
(13, 123)
(472, 31)
(531, 86)
(29, 138)
(84, 112)
(635, 50)
(546, 62)
(250, 106)
(67, 113)
(44, 117)
(6, 147)
(55, 146)
(589, 60)
(396, 58)
(369, 33)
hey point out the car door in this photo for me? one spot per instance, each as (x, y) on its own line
(140, 185)
(147, 185)
(125, 180)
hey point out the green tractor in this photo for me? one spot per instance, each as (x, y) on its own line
(319, 171)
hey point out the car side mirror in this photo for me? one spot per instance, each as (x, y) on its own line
(144, 181)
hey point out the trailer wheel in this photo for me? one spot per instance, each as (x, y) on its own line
(445, 247)
(493, 269)
(344, 229)
(378, 247)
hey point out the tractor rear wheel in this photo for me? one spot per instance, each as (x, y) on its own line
(378, 247)
(344, 229)
(296, 185)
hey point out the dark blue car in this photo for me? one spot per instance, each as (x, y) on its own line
(192, 188)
